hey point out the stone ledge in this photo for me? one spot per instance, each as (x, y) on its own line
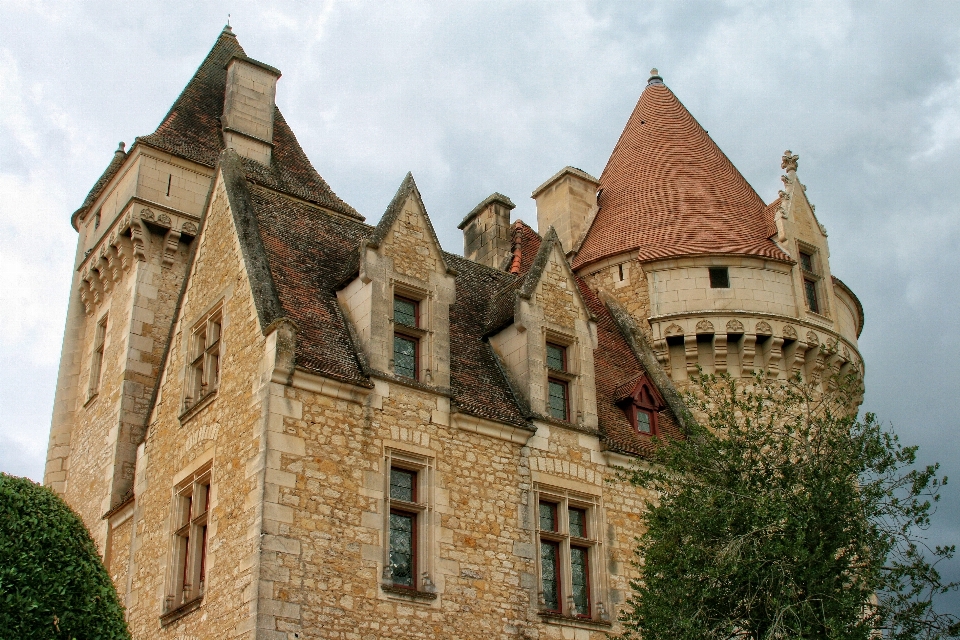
(189, 414)
(182, 610)
(406, 593)
(552, 617)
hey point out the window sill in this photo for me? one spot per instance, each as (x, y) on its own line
(187, 415)
(552, 617)
(407, 593)
(175, 614)
(91, 398)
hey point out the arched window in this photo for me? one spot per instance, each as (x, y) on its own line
(641, 407)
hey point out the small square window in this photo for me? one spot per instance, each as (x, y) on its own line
(548, 516)
(558, 399)
(578, 522)
(806, 261)
(643, 421)
(403, 485)
(719, 278)
(407, 526)
(556, 357)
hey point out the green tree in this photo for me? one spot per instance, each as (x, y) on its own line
(785, 516)
(52, 582)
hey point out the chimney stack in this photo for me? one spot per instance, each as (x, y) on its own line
(248, 106)
(486, 231)
(568, 203)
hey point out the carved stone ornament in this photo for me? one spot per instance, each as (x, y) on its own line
(705, 326)
(163, 220)
(789, 332)
(823, 230)
(734, 326)
(146, 214)
(674, 330)
(812, 338)
(789, 161)
(189, 228)
(764, 329)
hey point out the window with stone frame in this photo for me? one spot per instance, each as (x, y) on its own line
(188, 545)
(96, 361)
(559, 380)
(811, 276)
(406, 337)
(203, 371)
(569, 551)
(407, 509)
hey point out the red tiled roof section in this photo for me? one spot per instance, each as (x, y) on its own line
(191, 130)
(668, 190)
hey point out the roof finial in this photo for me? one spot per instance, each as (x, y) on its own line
(227, 29)
(120, 149)
(789, 161)
(655, 77)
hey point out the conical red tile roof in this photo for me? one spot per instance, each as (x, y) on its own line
(668, 190)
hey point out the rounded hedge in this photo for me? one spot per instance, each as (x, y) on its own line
(52, 582)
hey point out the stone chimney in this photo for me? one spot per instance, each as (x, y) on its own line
(568, 203)
(248, 106)
(486, 231)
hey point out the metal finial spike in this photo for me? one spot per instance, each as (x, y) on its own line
(655, 77)
(654, 72)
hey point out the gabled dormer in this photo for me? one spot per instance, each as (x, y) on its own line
(399, 303)
(802, 236)
(545, 336)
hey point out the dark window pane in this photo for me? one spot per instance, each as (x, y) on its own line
(401, 549)
(405, 312)
(810, 288)
(643, 421)
(579, 571)
(578, 522)
(806, 261)
(558, 399)
(402, 485)
(555, 357)
(719, 278)
(550, 577)
(405, 356)
(548, 516)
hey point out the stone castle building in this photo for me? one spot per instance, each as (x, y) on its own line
(279, 421)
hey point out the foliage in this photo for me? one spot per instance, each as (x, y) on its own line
(52, 582)
(785, 516)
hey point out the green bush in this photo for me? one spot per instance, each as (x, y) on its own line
(52, 582)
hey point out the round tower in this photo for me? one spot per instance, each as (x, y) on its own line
(715, 277)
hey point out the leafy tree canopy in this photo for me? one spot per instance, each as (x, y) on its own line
(785, 516)
(52, 582)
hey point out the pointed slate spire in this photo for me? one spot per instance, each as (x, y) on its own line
(668, 190)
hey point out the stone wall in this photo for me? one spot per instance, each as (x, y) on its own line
(222, 431)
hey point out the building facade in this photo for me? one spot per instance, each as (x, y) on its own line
(279, 421)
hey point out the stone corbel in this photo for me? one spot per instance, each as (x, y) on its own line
(138, 236)
(111, 255)
(776, 354)
(720, 352)
(170, 246)
(662, 352)
(103, 272)
(748, 354)
(86, 297)
(96, 287)
(692, 354)
(124, 247)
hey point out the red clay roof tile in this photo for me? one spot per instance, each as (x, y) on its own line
(668, 190)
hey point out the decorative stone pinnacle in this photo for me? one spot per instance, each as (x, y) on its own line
(120, 147)
(655, 77)
(789, 161)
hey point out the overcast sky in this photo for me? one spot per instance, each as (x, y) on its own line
(478, 97)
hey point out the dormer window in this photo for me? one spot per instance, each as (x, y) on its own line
(642, 406)
(810, 274)
(406, 339)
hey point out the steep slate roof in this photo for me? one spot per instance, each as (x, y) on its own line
(668, 190)
(615, 363)
(191, 130)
